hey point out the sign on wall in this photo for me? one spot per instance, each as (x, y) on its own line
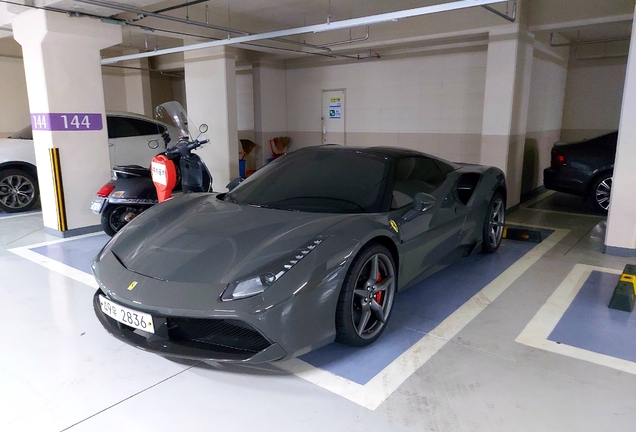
(335, 107)
(66, 122)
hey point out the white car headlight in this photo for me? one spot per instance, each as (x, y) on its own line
(257, 284)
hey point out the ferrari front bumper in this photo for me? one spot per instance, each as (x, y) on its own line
(220, 340)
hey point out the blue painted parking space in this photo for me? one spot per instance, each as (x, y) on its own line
(590, 325)
(417, 311)
(77, 253)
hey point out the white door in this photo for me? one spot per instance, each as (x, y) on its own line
(333, 117)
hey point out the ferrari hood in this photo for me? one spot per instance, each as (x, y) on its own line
(199, 238)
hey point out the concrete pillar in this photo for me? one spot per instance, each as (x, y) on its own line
(63, 75)
(210, 80)
(270, 107)
(506, 98)
(137, 83)
(620, 238)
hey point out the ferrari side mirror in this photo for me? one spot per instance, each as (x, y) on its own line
(421, 203)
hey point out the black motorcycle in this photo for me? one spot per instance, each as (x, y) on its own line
(131, 189)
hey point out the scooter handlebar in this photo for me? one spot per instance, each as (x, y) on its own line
(187, 148)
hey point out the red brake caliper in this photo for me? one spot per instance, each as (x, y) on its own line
(378, 296)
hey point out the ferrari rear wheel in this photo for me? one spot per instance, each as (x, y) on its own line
(494, 224)
(366, 298)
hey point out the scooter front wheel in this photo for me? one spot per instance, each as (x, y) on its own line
(115, 217)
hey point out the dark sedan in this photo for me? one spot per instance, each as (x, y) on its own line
(311, 248)
(584, 168)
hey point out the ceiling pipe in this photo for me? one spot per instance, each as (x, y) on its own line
(552, 44)
(122, 23)
(180, 6)
(334, 25)
(344, 42)
(143, 14)
(505, 16)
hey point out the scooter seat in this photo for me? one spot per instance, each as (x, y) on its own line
(132, 170)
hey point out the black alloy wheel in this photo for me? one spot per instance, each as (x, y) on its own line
(601, 191)
(494, 224)
(366, 299)
(18, 190)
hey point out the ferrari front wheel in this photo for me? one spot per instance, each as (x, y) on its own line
(494, 224)
(366, 298)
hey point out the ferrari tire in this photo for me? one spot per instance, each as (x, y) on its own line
(366, 298)
(18, 190)
(601, 191)
(114, 218)
(494, 224)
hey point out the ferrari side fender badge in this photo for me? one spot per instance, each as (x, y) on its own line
(394, 225)
(132, 285)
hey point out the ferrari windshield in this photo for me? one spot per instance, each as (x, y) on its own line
(323, 181)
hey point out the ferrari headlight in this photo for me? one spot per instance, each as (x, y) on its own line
(257, 284)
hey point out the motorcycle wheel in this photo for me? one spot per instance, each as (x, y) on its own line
(115, 217)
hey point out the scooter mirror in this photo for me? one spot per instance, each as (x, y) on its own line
(203, 128)
(153, 144)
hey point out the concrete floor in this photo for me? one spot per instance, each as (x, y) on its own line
(59, 370)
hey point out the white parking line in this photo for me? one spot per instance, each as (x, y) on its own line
(538, 330)
(5, 216)
(380, 387)
(56, 266)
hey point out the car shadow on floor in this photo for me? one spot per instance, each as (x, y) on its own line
(567, 203)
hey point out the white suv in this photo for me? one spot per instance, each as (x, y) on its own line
(128, 136)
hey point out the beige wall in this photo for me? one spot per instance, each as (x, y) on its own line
(245, 101)
(431, 102)
(14, 104)
(164, 88)
(593, 96)
(545, 113)
(114, 89)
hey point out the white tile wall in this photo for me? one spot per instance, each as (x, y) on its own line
(428, 94)
(431, 103)
(245, 101)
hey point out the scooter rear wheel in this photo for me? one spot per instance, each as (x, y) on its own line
(114, 218)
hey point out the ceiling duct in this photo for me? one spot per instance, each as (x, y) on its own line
(333, 25)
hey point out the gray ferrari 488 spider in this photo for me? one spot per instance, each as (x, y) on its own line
(310, 249)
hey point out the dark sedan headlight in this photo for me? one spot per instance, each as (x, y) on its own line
(257, 284)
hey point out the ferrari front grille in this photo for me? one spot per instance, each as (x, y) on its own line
(232, 334)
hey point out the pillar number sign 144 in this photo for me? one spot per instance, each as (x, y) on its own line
(66, 122)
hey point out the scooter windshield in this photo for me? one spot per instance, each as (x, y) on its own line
(174, 114)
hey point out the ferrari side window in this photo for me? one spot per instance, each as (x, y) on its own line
(413, 175)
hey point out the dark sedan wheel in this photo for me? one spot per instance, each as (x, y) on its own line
(601, 190)
(366, 299)
(494, 224)
(18, 190)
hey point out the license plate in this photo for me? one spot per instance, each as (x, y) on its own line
(124, 315)
(97, 204)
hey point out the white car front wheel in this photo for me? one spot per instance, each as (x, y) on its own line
(18, 190)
